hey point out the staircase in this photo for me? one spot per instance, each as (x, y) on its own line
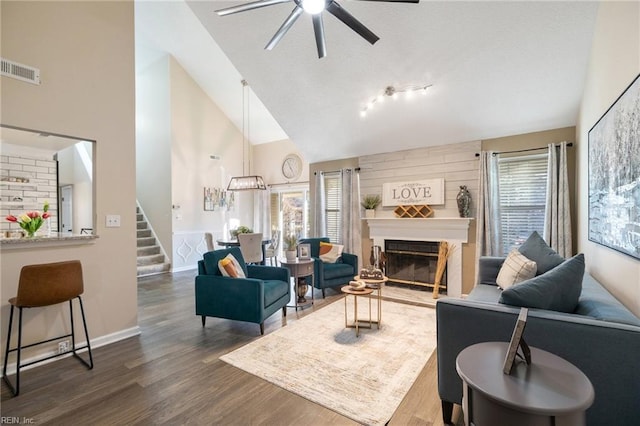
(151, 261)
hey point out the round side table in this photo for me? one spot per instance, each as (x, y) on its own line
(356, 322)
(375, 285)
(550, 391)
(300, 268)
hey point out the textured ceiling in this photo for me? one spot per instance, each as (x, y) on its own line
(497, 69)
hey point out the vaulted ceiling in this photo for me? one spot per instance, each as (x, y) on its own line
(496, 69)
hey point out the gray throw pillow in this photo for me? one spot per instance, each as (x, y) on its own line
(556, 290)
(536, 249)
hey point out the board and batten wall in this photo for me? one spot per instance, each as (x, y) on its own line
(456, 163)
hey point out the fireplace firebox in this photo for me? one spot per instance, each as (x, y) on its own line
(413, 263)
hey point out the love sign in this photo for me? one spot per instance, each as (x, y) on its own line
(430, 191)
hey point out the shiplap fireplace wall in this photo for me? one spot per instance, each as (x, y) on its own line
(458, 165)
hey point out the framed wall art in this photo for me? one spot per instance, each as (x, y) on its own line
(614, 175)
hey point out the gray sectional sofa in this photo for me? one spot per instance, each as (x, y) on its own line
(601, 337)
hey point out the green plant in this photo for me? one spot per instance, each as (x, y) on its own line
(241, 230)
(371, 201)
(291, 241)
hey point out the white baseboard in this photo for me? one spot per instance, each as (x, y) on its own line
(184, 268)
(95, 343)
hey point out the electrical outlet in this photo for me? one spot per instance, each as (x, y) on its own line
(63, 347)
(113, 221)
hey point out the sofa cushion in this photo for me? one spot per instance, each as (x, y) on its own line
(598, 303)
(516, 268)
(556, 290)
(536, 249)
(329, 253)
(487, 293)
(337, 270)
(273, 291)
(230, 267)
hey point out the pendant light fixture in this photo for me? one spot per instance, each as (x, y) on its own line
(245, 182)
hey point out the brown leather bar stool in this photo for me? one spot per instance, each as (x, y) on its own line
(44, 285)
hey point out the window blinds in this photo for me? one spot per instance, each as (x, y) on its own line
(333, 197)
(523, 182)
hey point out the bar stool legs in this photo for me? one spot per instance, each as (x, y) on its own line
(18, 349)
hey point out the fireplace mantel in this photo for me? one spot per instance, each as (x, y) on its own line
(454, 230)
(429, 229)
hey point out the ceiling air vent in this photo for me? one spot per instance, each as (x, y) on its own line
(20, 71)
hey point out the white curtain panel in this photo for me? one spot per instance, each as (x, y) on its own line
(262, 212)
(320, 216)
(557, 221)
(488, 230)
(350, 208)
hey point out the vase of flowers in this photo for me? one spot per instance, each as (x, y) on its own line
(240, 230)
(31, 221)
(370, 203)
(291, 241)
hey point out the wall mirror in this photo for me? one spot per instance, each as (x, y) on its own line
(37, 166)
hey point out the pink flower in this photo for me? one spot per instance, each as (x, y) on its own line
(33, 215)
(46, 215)
(12, 218)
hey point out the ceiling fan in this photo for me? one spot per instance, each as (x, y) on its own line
(315, 9)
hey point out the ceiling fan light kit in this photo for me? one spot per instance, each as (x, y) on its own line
(393, 93)
(315, 9)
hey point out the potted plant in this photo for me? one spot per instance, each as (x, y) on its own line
(240, 230)
(291, 241)
(370, 202)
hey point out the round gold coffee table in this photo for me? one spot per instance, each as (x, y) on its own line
(375, 285)
(356, 322)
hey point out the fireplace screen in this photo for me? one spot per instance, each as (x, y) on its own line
(413, 262)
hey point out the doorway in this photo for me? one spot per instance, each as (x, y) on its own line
(66, 208)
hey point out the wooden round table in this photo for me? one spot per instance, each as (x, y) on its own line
(356, 322)
(375, 284)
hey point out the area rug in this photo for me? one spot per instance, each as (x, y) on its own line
(364, 378)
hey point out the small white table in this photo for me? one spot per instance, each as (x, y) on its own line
(300, 268)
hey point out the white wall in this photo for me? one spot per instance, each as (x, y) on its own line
(614, 63)
(85, 52)
(153, 141)
(199, 129)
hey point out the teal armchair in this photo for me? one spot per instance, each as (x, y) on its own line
(253, 299)
(330, 274)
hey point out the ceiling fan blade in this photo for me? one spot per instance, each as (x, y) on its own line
(286, 25)
(349, 20)
(396, 1)
(249, 6)
(318, 29)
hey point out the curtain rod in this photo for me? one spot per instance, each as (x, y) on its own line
(357, 169)
(298, 183)
(523, 150)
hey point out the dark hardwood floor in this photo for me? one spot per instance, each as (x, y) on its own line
(171, 374)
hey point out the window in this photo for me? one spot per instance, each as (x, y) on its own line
(523, 185)
(290, 211)
(333, 197)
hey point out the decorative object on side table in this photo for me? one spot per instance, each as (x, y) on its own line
(371, 274)
(31, 221)
(240, 230)
(464, 201)
(301, 289)
(304, 251)
(370, 203)
(291, 241)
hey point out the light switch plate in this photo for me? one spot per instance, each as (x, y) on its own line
(113, 221)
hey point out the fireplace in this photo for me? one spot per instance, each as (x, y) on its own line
(453, 230)
(413, 263)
